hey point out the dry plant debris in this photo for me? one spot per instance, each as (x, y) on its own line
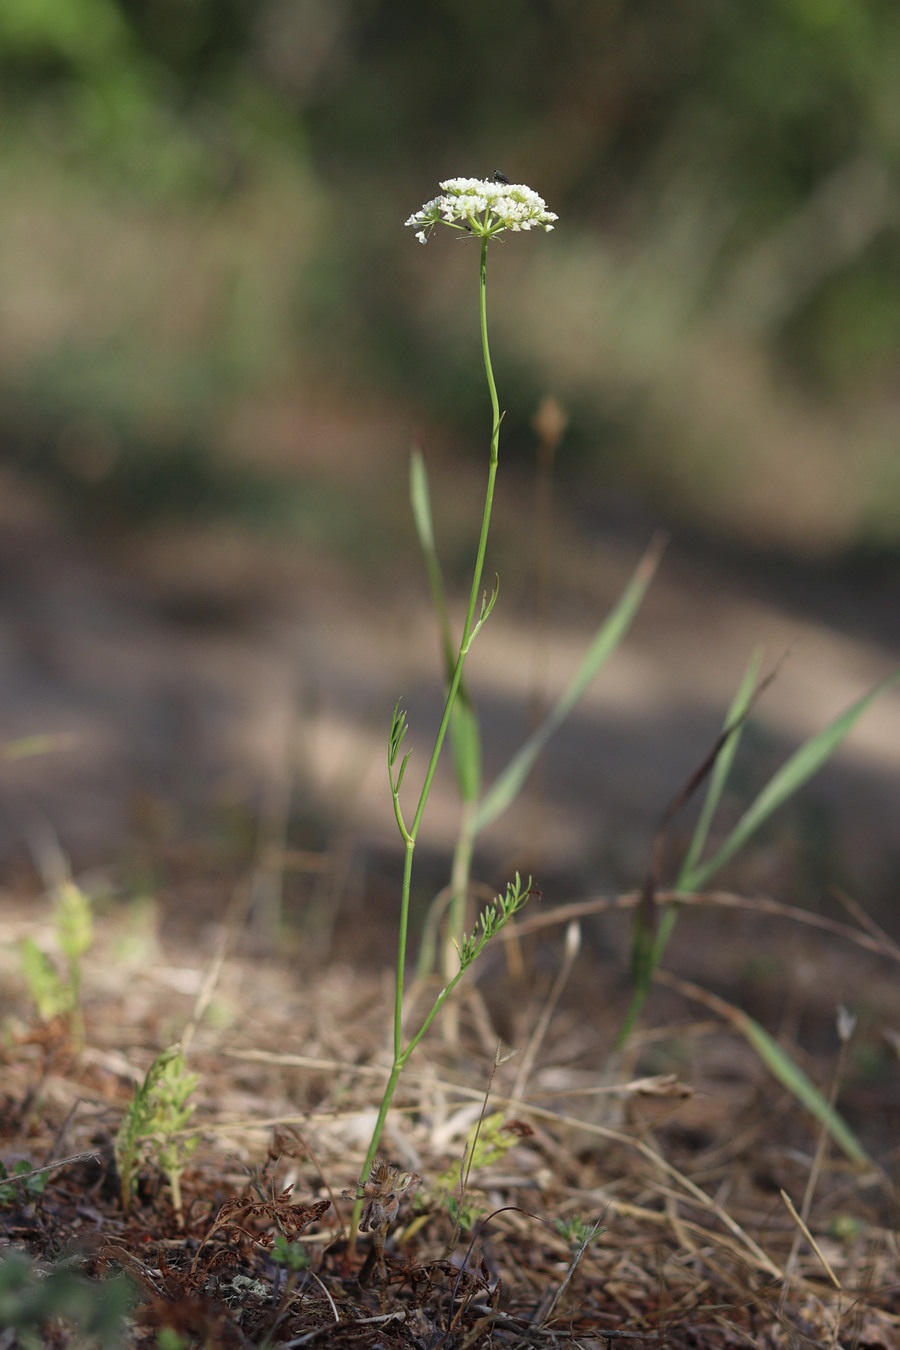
(655, 1209)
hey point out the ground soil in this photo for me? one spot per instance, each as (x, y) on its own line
(684, 1161)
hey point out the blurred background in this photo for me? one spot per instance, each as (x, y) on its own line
(217, 342)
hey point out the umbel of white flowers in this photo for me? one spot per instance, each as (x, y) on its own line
(482, 207)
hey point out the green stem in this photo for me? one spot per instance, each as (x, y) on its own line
(401, 1055)
(639, 997)
(459, 884)
(401, 949)
(479, 558)
(177, 1203)
(390, 1085)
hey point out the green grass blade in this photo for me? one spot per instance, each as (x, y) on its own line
(44, 743)
(800, 767)
(778, 1062)
(722, 767)
(465, 739)
(791, 1076)
(510, 782)
(465, 735)
(420, 499)
(648, 943)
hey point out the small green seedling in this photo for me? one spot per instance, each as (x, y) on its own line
(578, 1231)
(13, 1191)
(55, 993)
(292, 1255)
(158, 1112)
(169, 1338)
(489, 1141)
(581, 1234)
(291, 1258)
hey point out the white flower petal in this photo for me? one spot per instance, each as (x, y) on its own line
(484, 207)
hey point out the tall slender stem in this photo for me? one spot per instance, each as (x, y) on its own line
(479, 557)
(401, 950)
(401, 1055)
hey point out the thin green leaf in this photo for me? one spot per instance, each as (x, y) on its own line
(649, 938)
(465, 735)
(791, 1076)
(785, 782)
(465, 738)
(44, 743)
(722, 767)
(778, 1062)
(509, 784)
(644, 956)
(420, 500)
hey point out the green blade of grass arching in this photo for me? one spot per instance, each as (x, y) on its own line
(44, 743)
(736, 718)
(464, 730)
(649, 934)
(510, 782)
(722, 767)
(779, 1064)
(805, 762)
(465, 735)
(796, 771)
(801, 766)
(420, 499)
(791, 1076)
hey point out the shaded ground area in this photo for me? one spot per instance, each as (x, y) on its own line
(207, 678)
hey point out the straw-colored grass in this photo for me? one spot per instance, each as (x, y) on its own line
(710, 1231)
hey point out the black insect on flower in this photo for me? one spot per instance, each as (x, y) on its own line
(500, 177)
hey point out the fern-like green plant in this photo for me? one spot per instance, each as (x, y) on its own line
(159, 1110)
(489, 1140)
(55, 992)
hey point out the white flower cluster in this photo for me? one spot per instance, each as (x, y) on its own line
(482, 207)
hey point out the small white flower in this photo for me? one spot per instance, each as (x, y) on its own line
(482, 207)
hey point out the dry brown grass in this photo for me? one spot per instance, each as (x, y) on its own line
(698, 1176)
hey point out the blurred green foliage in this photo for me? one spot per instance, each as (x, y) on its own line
(57, 993)
(32, 1299)
(204, 201)
(30, 1186)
